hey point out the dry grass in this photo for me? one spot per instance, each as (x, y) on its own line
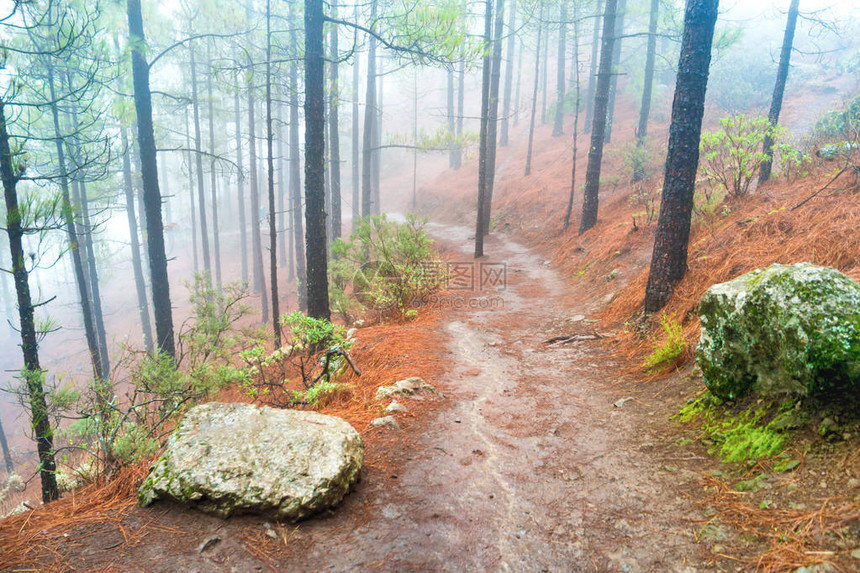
(790, 538)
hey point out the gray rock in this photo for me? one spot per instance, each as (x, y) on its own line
(395, 406)
(385, 422)
(410, 387)
(783, 329)
(229, 459)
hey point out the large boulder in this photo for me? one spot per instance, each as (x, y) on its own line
(784, 329)
(228, 459)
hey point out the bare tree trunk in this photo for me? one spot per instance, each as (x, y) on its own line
(558, 127)
(645, 109)
(334, 136)
(282, 188)
(452, 153)
(149, 172)
(33, 373)
(669, 259)
(318, 303)
(98, 316)
(616, 61)
(198, 161)
(74, 239)
(461, 83)
(509, 76)
(136, 264)
(190, 155)
(576, 84)
(213, 188)
(601, 102)
(376, 158)
(240, 182)
(534, 95)
(485, 113)
(517, 101)
(779, 89)
(592, 72)
(256, 240)
(356, 183)
(7, 457)
(544, 79)
(370, 123)
(295, 168)
(270, 167)
(493, 119)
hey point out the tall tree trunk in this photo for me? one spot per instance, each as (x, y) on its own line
(509, 76)
(270, 168)
(493, 110)
(334, 135)
(213, 188)
(415, 131)
(616, 62)
(461, 93)
(576, 84)
(669, 259)
(452, 153)
(74, 239)
(198, 161)
(601, 101)
(779, 89)
(544, 80)
(240, 181)
(136, 264)
(519, 82)
(485, 112)
(98, 316)
(191, 201)
(149, 172)
(370, 123)
(318, 304)
(534, 95)
(33, 373)
(356, 183)
(295, 168)
(7, 456)
(282, 187)
(376, 158)
(645, 109)
(256, 239)
(592, 71)
(558, 127)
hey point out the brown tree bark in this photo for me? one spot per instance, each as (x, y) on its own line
(149, 172)
(601, 102)
(779, 89)
(645, 109)
(317, 284)
(669, 259)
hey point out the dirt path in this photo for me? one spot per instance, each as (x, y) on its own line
(526, 466)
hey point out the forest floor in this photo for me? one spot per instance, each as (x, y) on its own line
(525, 464)
(540, 456)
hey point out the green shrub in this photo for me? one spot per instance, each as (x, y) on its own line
(384, 266)
(668, 351)
(732, 155)
(316, 349)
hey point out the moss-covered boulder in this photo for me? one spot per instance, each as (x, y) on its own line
(228, 459)
(786, 329)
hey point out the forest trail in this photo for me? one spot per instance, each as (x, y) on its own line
(524, 465)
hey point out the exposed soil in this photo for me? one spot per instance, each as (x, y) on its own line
(524, 465)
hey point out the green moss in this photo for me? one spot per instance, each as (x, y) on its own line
(748, 442)
(750, 484)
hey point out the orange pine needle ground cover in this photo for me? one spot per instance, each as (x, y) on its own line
(385, 354)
